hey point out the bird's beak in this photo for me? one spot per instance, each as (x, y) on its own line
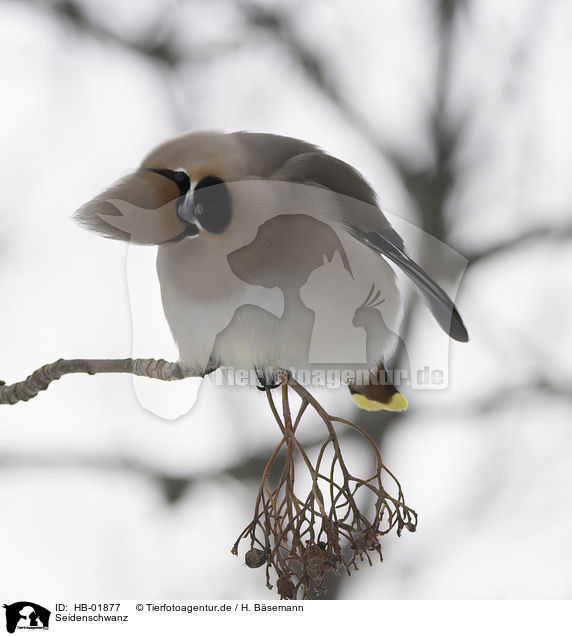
(185, 214)
(186, 210)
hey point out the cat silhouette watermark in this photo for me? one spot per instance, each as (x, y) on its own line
(26, 615)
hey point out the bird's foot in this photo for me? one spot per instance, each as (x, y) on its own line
(267, 381)
(263, 386)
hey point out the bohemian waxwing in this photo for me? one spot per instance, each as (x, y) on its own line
(272, 255)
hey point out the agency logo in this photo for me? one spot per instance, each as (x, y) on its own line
(26, 615)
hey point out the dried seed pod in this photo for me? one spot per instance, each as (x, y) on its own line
(317, 558)
(255, 558)
(285, 587)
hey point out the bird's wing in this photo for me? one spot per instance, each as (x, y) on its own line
(389, 244)
(268, 153)
(367, 223)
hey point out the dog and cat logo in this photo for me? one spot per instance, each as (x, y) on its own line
(26, 615)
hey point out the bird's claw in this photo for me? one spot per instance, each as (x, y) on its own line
(263, 386)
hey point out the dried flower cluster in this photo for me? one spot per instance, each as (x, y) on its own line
(312, 516)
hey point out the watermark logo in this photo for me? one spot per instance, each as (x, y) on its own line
(26, 615)
(334, 378)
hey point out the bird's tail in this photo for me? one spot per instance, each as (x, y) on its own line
(379, 394)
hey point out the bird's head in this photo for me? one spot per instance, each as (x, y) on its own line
(181, 189)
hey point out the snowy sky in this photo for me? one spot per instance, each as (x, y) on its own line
(487, 463)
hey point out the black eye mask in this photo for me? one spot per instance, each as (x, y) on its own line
(181, 179)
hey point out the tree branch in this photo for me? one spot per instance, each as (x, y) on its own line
(44, 376)
(157, 46)
(172, 485)
(562, 233)
(279, 25)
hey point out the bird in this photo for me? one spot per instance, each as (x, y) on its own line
(266, 247)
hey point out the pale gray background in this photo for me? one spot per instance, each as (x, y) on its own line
(459, 115)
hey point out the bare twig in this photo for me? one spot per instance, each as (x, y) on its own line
(279, 25)
(157, 47)
(546, 234)
(44, 376)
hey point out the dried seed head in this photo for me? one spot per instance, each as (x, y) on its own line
(367, 540)
(317, 558)
(302, 537)
(255, 558)
(285, 587)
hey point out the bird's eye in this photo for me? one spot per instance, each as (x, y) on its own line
(180, 178)
(213, 205)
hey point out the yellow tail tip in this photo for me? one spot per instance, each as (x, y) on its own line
(397, 403)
